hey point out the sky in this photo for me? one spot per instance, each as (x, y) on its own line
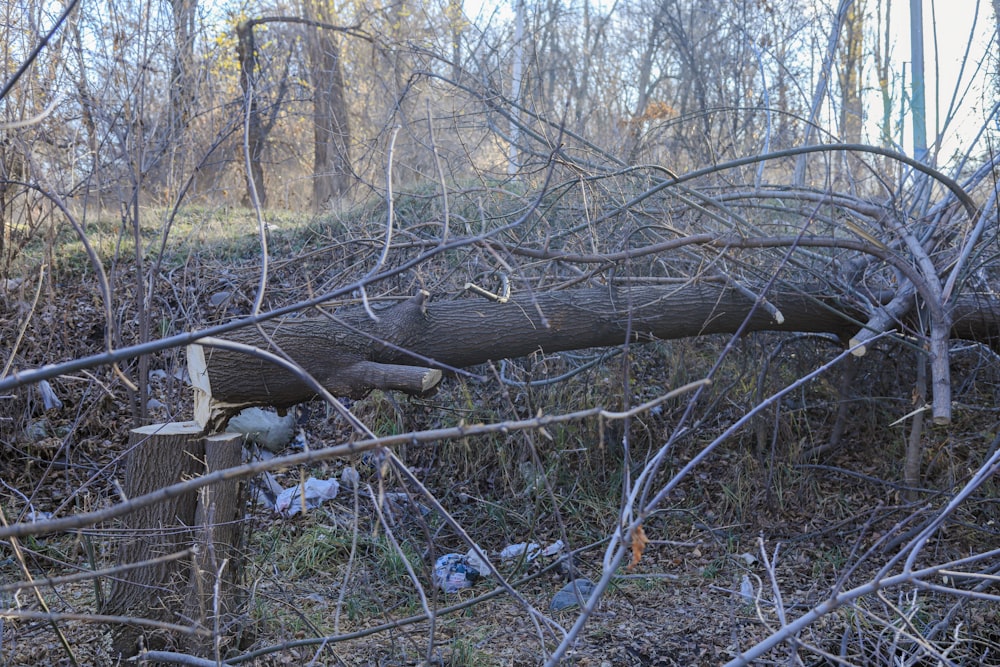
(947, 26)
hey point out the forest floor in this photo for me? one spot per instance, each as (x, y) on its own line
(825, 524)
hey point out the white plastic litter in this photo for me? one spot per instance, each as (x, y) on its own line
(747, 591)
(453, 572)
(316, 491)
(49, 398)
(477, 563)
(35, 516)
(517, 550)
(553, 548)
(264, 427)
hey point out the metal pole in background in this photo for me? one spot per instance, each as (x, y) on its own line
(918, 102)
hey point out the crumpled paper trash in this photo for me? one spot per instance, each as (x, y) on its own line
(317, 492)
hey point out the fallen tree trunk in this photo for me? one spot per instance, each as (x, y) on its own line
(351, 354)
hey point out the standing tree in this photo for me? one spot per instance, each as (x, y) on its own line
(332, 175)
(182, 68)
(254, 134)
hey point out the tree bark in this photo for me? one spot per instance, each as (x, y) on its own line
(182, 94)
(822, 86)
(332, 162)
(850, 74)
(996, 26)
(247, 52)
(161, 455)
(217, 569)
(341, 352)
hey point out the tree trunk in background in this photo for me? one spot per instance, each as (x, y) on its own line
(181, 79)
(996, 27)
(332, 135)
(457, 24)
(851, 78)
(516, 74)
(645, 84)
(918, 97)
(247, 52)
(822, 88)
(883, 67)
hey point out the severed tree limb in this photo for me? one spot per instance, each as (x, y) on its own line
(885, 318)
(349, 354)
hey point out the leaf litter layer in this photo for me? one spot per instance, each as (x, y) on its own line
(336, 572)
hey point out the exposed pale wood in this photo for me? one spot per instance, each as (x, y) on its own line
(209, 412)
(200, 384)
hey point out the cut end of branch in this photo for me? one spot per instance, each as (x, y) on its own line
(198, 373)
(859, 349)
(414, 380)
(420, 300)
(431, 380)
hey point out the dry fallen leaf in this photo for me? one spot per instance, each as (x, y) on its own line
(639, 542)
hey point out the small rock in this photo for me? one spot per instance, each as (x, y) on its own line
(218, 299)
(568, 597)
(402, 503)
(37, 430)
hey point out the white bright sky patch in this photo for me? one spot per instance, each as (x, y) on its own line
(952, 23)
(948, 26)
